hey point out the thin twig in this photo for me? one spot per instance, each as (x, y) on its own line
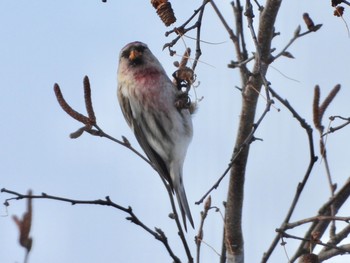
(286, 235)
(232, 36)
(199, 237)
(126, 144)
(320, 227)
(296, 35)
(198, 38)
(107, 202)
(250, 15)
(249, 139)
(334, 129)
(340, 2)
(301, 185)
(238, 12)
(181, 30)
(315, 219)
(240, 43)
(177, 221)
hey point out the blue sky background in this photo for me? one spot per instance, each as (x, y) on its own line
(43, 42)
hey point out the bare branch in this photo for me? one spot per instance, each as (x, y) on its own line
(334, 129)
(336, 239)
(182, 30)
(315, 219)
(157, 234)
(340, 250)
(296, 35)
(199, 237)
(337, 200)
(301, 185)
(248, 140)
(223, 21)
(338, 2)
(311, 240)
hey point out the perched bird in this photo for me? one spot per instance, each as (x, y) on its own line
(147, 98)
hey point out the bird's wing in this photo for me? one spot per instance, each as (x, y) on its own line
(152, 155)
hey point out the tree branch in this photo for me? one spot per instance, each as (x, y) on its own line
(300, 187)
(311, 240)
(157, 234)
(337, 200)
(182, 30)
(340, 250)
(233, 218)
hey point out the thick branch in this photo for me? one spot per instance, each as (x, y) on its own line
(337, 201)
(341, 250)
(233, 219)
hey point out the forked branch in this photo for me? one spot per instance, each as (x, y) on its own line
(157, 233)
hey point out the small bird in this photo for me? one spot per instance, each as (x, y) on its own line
(147, 99)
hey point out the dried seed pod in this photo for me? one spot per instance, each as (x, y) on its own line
(185, 58)
(308, 21)
(309, 258)
(156, 3)
(185, 74)
(316, 109)
(339, 11)
(77, 133)
(24, 225)
(329, 99)
(164, 11)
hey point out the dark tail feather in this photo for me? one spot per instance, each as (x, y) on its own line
(183, 204)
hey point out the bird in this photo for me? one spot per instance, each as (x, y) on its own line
(147, 98)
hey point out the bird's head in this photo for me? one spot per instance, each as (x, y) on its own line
(135, 53)
(138, 55)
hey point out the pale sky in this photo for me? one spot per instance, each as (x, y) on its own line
(44, 42)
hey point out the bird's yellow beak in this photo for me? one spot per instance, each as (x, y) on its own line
(134, 54)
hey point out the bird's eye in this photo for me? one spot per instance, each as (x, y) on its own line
(140, 48)
(125, 53)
